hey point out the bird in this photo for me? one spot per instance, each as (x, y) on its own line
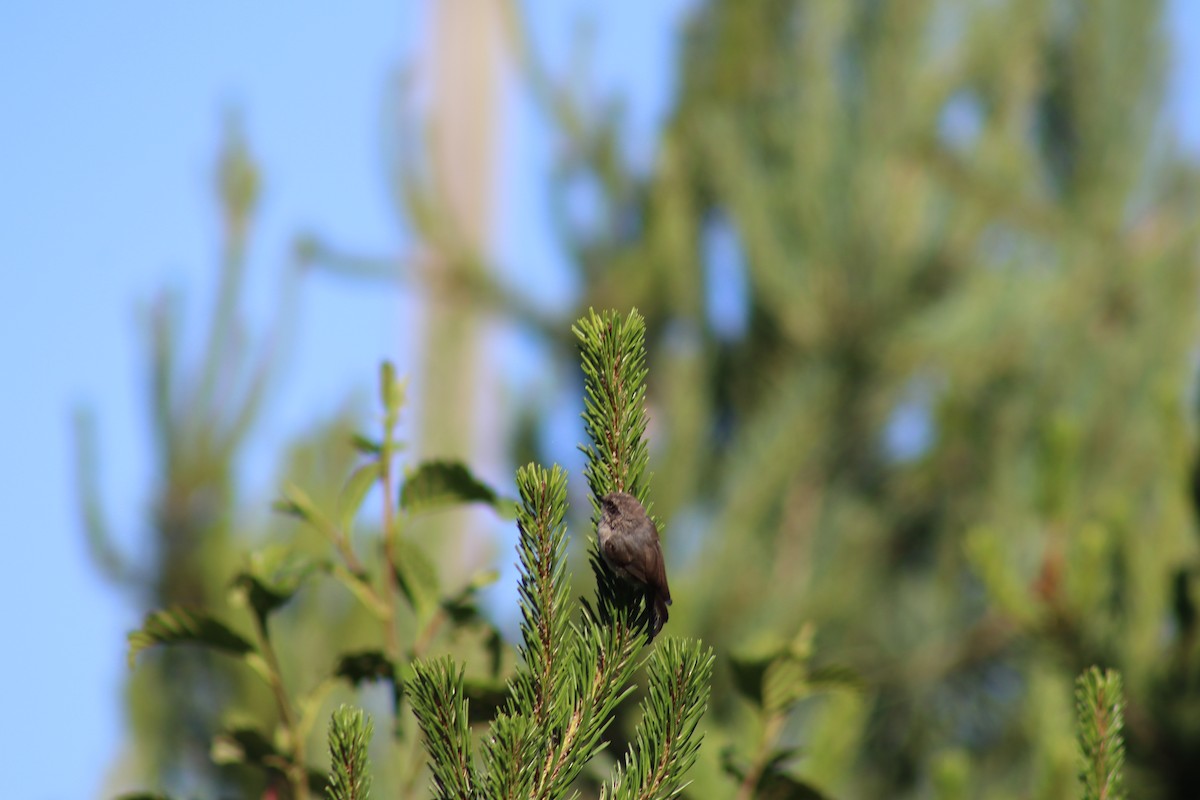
(630, 547)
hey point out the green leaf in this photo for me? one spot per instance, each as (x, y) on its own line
(482, 579)
(773, 674)
(505, 508)
(354, 492)
(463, 607)
(504, 745)
(835, 676)
(667, 739)
(733, 766)
(416, 576)
(274, 577)
(297, 503)
(366, 445)
(369, 666)
(365, 665)
(247, 589)
(245, 745)
(783, 685)
(438, 484)
(801, 646)
(1182, 602)
(256, 662)
(612, 356)
(181, 626)
(951, 774)
(750, 666)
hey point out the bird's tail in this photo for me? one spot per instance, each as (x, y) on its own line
(659, 615)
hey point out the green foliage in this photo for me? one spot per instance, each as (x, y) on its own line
(248, 746)
(545, 617)
(931, 457)
(547, 723)
(612, 352)
(272, 580)
(180, 626)
(440, 705)
(365, 665)
(350, 732)
(1100, 702)
(574, 676)
(416, 577)
(436, 484)
(666, 742)
(402, 580)
(776, 676)
(613, 355)
(919, 288)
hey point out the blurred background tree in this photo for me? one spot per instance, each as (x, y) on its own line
(920, 288)
(951, 427)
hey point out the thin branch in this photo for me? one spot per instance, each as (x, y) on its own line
(297, 771)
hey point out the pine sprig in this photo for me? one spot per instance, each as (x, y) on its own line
(440, 705)
(602, 666)
(508, 754)
(525, 745)
(573, 676)
(612, 353)
(667, 742)
(544, 587)
(613, 356)
(1101, 708)
(350, 733)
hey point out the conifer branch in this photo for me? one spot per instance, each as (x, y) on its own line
(507, 753)
(544, 586)
(601, 674)
(521, 749)
(613, 357)
(573, 677)
(350, 733)
(440, 705)
(1101, 707)
(612, 352)
(667, 741)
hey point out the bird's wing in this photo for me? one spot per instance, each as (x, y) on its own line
(652, 572)
(624, 557)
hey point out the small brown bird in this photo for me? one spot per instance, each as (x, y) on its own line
(630, 547)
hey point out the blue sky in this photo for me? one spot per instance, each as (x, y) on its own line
(112, 116)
